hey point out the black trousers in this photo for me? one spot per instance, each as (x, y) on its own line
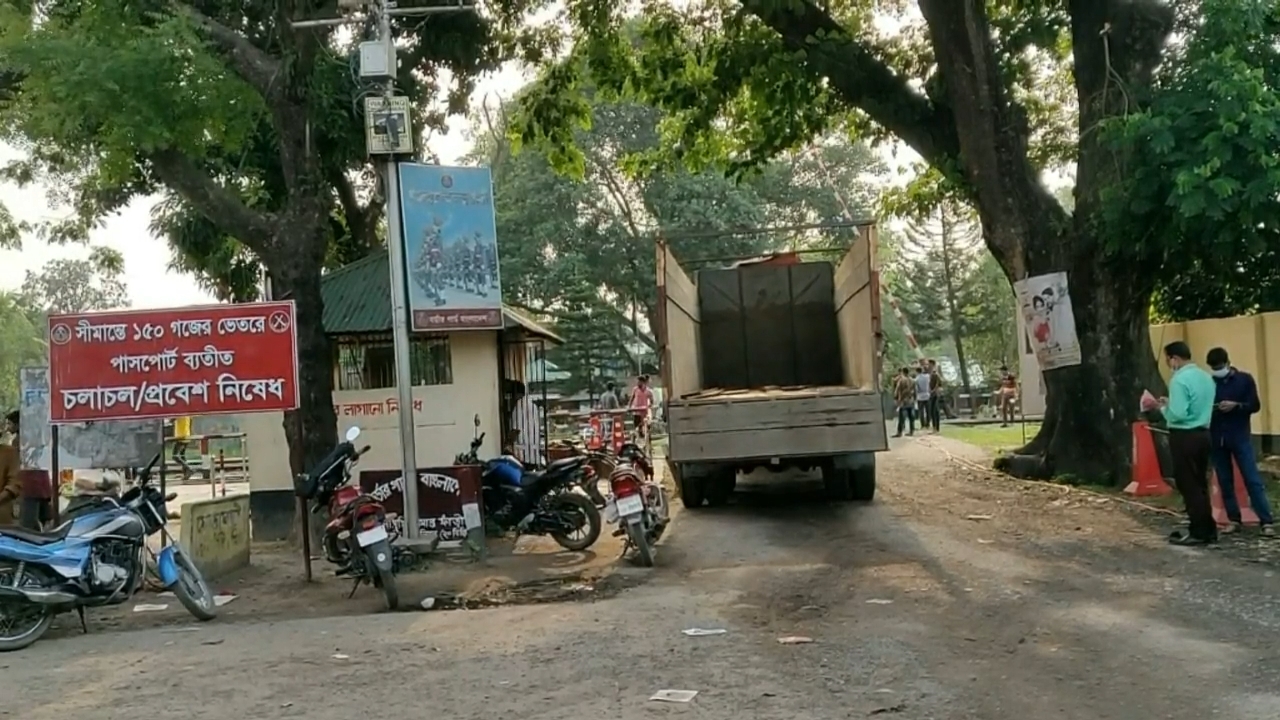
(935, 412)
(1190, 451)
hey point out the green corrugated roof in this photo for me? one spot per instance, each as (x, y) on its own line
(357, 301)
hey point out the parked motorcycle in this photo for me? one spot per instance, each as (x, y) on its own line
(94, 559)
(637, 503)
(543, 502)
(356, 538)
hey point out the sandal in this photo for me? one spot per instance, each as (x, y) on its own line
(1267, 531)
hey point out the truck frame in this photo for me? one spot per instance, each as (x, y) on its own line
(836, 426)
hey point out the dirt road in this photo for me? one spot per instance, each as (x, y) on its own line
(954, 596)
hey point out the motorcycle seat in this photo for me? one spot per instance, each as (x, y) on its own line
(564, 464)
(37, 538)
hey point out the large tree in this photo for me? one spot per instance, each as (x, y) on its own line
(251, 128)
(565, 239)
(72, 285)
(987, 92)
(952, 290)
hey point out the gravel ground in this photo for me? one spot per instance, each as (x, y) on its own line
(956, 595)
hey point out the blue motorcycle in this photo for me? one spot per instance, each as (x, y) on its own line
(97, 558)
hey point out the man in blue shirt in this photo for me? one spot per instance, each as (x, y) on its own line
(1235, 401)
(1188, 411)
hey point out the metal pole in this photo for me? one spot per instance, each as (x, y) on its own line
(399, 304)
(55, 479)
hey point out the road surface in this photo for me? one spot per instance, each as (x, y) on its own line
(953, 596)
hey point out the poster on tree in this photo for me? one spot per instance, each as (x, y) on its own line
(1051, 325)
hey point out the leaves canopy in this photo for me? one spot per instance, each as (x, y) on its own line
(584, 245)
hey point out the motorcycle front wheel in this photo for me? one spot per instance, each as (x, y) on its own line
(586, 517)
(192, 590)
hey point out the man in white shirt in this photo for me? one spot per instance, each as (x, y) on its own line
(923, 394)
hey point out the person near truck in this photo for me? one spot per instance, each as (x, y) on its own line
(640, 405)
(920, 376)
(1007, 395)
(904, 395)
(1235, 401)
(36, 507)
(935, 396)
(10, 482)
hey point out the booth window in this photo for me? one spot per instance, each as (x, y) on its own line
(370, 363)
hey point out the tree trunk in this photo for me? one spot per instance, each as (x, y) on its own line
(953, 305)
(312, 429)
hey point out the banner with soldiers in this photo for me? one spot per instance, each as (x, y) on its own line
(451, 247)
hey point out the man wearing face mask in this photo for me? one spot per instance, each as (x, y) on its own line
(1188, 411)
(1235, 401)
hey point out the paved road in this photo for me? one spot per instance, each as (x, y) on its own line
(954, 596)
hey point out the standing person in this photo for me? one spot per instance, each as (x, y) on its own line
(181, 441)
(1007, 395)
(36, 509)
(10, 483)
(1188, 411)
(609, 400)
(921, 378)
(935, 396)
(640, 405)
(904, 395)
(1235, 400)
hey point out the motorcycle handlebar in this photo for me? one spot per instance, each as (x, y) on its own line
(363, 450)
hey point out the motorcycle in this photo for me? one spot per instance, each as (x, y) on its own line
(540, 502)
(97, 558)
(356, 538)
(637, 503)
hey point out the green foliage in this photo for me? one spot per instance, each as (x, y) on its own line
(20, 345)
(79, 285)
(587, 241)
(953, 292)
(1202, 174)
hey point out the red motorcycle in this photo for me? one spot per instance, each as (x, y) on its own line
(637, 503)
(356, 538)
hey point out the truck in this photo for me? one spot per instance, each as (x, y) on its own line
(772, 364)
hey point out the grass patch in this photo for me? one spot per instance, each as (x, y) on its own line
(992, 437)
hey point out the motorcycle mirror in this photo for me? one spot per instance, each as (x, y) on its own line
(477, 420)
(352, 433)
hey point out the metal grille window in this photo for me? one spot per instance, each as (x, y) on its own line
(370, 363)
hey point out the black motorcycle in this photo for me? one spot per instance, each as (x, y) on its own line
(543, 502)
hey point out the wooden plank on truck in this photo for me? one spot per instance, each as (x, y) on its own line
(678, 320)
(763, 425)
(858, 312)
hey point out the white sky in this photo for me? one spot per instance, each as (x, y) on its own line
(151, 284)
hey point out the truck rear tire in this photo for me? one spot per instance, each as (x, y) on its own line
(837, 483)
(720, 486)
(863, 482)
(691, 490)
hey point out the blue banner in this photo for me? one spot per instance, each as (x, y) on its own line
(451, 247)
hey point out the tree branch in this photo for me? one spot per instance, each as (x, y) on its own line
(219, 205)
(361, 220)
(862, 79)
(254, 65)
(994, 144)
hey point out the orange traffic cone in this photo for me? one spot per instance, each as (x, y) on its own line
(1247, 515)
(1147, 478)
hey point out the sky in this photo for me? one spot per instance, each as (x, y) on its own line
(150, 282)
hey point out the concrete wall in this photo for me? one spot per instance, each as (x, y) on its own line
(216, 534)
(442, 418)
(1252, 341)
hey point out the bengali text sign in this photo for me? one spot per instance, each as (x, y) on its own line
(165, 363)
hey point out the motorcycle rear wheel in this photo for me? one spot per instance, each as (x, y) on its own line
(387, 580)
(572, 502)
(29, 625)
(640, 541)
